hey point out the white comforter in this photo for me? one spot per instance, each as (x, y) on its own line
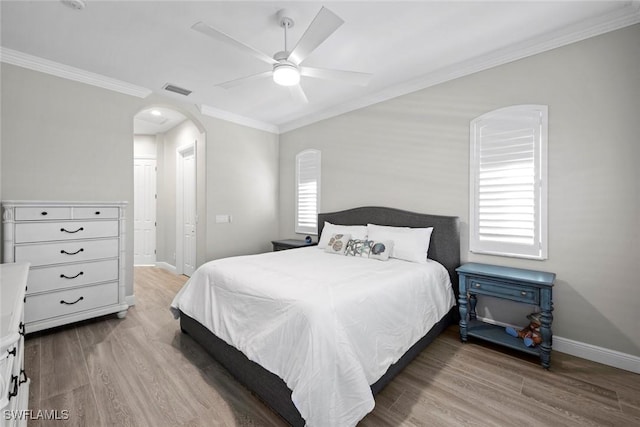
(328, 325)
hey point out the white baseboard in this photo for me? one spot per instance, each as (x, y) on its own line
(606, 356)
(614, 358)
(166, 266)
(130, 300)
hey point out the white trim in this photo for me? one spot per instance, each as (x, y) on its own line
(238, 119)
(591, 352)
(606, 356)
(166, 266)
(35, 63)
(615, 20)
(130, 299)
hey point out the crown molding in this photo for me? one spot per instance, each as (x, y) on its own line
(623, 17)
(42, 65)
(238, 119)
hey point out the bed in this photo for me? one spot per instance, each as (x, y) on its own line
(352, 364)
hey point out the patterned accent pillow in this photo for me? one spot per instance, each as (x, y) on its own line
(337, 243)
(369, 249)
(381, 249)
(357, 247)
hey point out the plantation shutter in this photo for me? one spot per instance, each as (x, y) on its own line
(307, 191)
(508, 182)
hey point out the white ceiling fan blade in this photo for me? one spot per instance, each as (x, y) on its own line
(298, 94)
(243, 80)
(220, 36)
(322, 26)
(352, 77)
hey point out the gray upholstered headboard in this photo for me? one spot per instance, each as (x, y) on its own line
(445, 239)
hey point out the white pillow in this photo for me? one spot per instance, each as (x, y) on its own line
(356, 232)
(409, 244)
(338, 243)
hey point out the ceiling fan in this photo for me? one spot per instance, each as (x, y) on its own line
(286, 65)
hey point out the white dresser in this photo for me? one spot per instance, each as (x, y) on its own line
(76, 252)
(14, 384)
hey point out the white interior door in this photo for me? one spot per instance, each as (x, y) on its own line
(186, 206)
(144, 224)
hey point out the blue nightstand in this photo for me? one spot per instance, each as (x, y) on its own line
(525, 286)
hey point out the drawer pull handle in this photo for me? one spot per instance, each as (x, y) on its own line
(23, 374)
(14, 392)
(97, 212)
(21, 328)
(71, 303)
(477, 285)
(523, 293)
(62, 276)
(64, 230)
(72, 253)
(12, 352)
(44, 213)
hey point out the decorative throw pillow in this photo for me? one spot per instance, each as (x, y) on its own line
(369, 249)
(337, 243)
(357, 247)
(380, 250)
(328, 230)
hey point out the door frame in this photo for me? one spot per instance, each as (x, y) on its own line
(180, 152)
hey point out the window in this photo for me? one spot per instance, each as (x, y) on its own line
(508, 180)
(307, 191)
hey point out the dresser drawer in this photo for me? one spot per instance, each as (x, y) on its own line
(53, 304)
(72, 230)
(95, 212)
(72, 275)
(8, 367)
(512, 291)
(42, 213)
(63, 252)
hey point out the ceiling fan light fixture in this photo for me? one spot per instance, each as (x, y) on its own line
(286, 74)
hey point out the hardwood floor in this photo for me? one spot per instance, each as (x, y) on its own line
(142, 371)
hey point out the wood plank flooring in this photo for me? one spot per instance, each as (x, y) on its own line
(142, 371)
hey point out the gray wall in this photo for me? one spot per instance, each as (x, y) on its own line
(236, 172)
(63, 140)
(412, 152)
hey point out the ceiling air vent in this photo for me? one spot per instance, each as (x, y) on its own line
(177, 89)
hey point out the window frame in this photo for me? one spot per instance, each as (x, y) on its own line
(532, 113)
(317, 160)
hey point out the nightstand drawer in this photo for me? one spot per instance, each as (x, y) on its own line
(520, 293)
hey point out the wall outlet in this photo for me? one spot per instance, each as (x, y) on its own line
(223, 218)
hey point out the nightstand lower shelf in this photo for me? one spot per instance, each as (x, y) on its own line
(497, 335)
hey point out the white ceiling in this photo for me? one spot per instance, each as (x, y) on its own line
(139, 46)
(152, 121)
